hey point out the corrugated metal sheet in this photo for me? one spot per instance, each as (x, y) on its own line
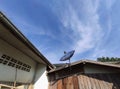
(88, 81)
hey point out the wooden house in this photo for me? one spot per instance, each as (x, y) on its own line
(85, 74)
(22, 66)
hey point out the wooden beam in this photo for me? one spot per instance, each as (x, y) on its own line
(3, 85)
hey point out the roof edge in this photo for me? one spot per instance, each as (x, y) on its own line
(22, 38)
(86, 62)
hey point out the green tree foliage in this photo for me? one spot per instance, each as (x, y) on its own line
(108, 59)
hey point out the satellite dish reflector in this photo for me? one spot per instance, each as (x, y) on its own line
(67, 56)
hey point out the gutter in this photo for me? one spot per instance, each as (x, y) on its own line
(6, 22)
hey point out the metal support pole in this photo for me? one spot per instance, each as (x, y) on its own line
(15, 78)
(70, 66)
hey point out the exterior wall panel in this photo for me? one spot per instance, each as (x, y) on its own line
(7, 73)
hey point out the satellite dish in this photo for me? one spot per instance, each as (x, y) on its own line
(67, 55)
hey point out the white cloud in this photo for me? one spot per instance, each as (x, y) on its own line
(51, 56)
(29, 28)
(109, 3)
(84, 23)
(86, 31)
(103, 51)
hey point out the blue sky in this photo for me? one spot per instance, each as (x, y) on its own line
(90, 27)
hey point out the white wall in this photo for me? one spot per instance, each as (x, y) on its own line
(41, 81)
(7, 73)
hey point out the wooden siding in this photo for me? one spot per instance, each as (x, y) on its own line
(87, 81)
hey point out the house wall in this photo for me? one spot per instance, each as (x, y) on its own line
(37, 73)
(89, 68)
(88, 81)
(41, 81)
(7, 73)
(91, 76)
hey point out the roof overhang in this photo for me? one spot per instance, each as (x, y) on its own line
(84, 62)
(10, 34)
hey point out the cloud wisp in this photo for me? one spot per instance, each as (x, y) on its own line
(86, 31)
(103, 49)
(82, 23)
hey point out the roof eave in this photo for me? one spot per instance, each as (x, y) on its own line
(23, 39)
(87, 62)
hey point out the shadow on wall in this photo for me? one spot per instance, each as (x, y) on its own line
(41, 81)
(39, 72)
(105, 81)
